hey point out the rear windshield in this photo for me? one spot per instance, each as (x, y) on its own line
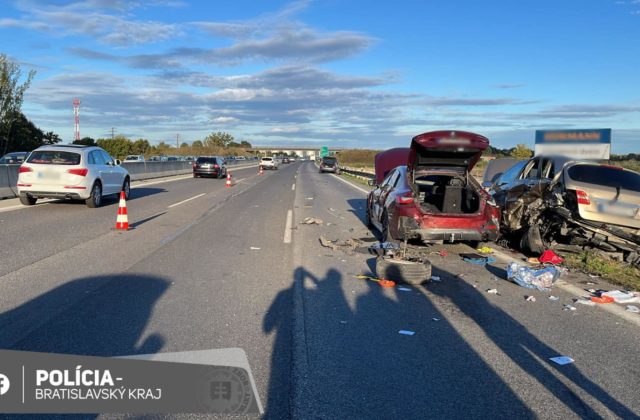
(206, 160)
(54, 157)
(267, 159)
(329, 159)
(605, 176)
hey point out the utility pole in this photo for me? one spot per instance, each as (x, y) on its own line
(177, 141)
(113, 129)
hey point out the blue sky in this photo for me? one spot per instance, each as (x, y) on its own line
(367, 74)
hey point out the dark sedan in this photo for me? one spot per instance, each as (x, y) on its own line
(212, 166)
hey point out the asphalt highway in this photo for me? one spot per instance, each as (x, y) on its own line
(209, 267)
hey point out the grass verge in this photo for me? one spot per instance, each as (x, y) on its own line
(356, 179)
(612, 271)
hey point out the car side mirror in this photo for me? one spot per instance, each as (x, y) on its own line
(118, 162)
(371, 182)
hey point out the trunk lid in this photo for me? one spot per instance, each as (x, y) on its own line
(445, 149)
(386, 161)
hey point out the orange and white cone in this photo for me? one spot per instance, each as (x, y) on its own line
(122, 222)
(228, 184)
(261, 172)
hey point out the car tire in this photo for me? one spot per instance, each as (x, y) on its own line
(401, 271)
(195, 175)
(126, 187)
(384, 232)
(95, 199)
(531, 241)
(27, 200)
(367, 217)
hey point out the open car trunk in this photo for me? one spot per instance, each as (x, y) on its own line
(447, 193)
(439, 166)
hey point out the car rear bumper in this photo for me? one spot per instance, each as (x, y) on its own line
(71, 195)
(328, 169)
(431, 235)
(207, 172)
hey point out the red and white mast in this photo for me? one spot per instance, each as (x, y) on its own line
(76, 113)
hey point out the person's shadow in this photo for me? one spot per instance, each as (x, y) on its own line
(93, 316)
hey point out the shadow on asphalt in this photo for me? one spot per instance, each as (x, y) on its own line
(525, 349)
(360, 366)
(94, 316)
(358, 207)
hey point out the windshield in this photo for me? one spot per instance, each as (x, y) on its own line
(605, 176)
(207, 160)
(267, 159)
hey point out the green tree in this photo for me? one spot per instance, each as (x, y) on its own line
(140, 147)
(521, 151)
(25, 136)
(219, 139)
(118, 147)
(197, 144)
(86, 141)
(184, 145)
(246, 144)
(51, 138)
(11, 95)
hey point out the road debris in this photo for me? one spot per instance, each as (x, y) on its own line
(530, 298)
(349, 246)
(584, 301)
(551, 257)
(435, 278)
(443, 253)
(542, 279)
(602, 299)
(485, 250)
(311, 221)
(381, 282)
(568, 307)
(633, 308)
(554, 298)
(406, 332)
(404, 289)
(478, 259)
(255, 248)
(621, 297)
(493, 292)
(435, 319)
(562, 360)
(533, 260)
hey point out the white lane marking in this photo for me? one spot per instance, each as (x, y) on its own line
(578, 292)
(353, 185)
(184, 201)
(20, 206)
(293, 187)
(287, 227)
(140, 184)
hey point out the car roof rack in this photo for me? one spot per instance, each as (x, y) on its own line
(73, 146)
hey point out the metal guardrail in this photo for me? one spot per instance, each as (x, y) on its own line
(137, 170)
(358, 173)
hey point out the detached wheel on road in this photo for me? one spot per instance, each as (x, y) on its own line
(409, 272)
(95, 199)
(27, 201)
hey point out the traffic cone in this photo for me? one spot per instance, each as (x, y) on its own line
(228, 184)
(261, 171)
(122, 221)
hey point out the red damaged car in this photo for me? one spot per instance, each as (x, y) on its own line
(432, 196)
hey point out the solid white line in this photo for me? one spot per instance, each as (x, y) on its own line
(287, 227)
(353, 185)
(22, 384)
(184, 201)
(143, 183)
(293, 187)
(20, 206)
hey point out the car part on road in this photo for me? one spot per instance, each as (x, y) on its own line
(311, 221)
(349, 246)
(404, 271)
(551, 257)
(381, 282)
(542, 279)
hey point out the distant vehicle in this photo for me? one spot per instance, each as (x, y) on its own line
(212, 166)
(158, 159)
(13, 158)
(433, 197)
(173, 158)
(549, 200)
(286, 160)
(329, 164)
(269, 163)
(241, 158)
(72, 172)
(292, 159)
(190, 159)
(134, 158)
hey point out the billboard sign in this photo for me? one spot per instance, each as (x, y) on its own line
(591, 144)
(324, 151)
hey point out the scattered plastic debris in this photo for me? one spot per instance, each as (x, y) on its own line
(332, 209)
(492, 291)
(633, 308)
(562, 360)
(479, 261)
(435, 278)
(602, 299)
(621, 297)
(435, 319)
(255, 248)
(542, 279)
(567, 307)
(554, 298)
(443, 253)
(549, 256)
(404, 289)
(406, 332)
(381, 282)
(485, 250)
(586, 302)
(533, 260)
(530, 298)
(349, 246)
(343, 322)
(309, 198)
(311, 221)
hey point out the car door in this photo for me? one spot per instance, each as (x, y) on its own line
(382, 193)
(102, 168)
(113, 179)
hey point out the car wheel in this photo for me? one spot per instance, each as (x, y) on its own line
(95, 199)
(27, 200)
(126, 187)
(195, 175)
(384, 233)
(367, 217)
(410, 272)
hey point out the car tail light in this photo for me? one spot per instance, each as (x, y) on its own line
(25, 169)
(23, 185)
(216, 166)
(583, 197)
(406, 198)
(80, 171)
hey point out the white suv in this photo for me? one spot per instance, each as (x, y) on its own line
(269, 163)
(72, 172)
